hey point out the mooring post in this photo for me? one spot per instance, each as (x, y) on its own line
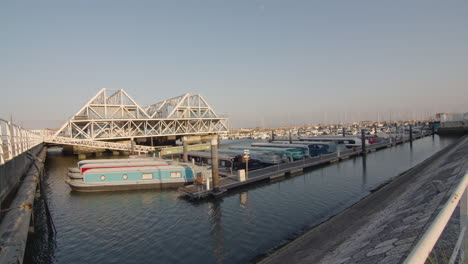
(363, 141)
(410, 133)
(290, 137)
(344, 132)
(185, 148)
(272, 135)
(214, 163)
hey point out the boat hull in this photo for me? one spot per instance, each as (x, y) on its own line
(75, 175)
(80, 186)
(74, 170)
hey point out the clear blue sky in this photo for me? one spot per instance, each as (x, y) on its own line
(259, 62)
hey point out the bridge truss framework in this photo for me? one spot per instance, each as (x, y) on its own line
(111, 115)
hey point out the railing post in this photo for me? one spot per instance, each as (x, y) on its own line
(13, 140)
(26, 139)
(23, 143)
(9, 140)
(464, 224)
(426, 243)
(16, 146)
(2, 159)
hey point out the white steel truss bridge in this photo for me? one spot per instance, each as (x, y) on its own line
(114, 115)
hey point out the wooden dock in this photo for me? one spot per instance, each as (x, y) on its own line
(198, 191)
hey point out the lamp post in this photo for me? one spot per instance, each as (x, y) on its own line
(246, 158)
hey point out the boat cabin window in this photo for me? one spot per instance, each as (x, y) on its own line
(176, 174)
(103, 178)
(147, 176)
(125, 176)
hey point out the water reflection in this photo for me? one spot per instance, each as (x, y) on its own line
(364, 170)
(411, 152)
(217, 231)
(244, 196)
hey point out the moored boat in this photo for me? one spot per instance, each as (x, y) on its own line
(123, 175)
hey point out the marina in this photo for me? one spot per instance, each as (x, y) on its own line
(198, 191)
(244, 223)
(226, 132)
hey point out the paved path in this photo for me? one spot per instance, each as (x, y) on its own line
(384, 226)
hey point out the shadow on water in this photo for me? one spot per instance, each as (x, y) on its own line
(41, 244)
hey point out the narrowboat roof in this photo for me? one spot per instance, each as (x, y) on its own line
(98, 161)
(280, 145)
(136, 169)
(266, 149)
(207, 154)
(307, 143)
(137, 163)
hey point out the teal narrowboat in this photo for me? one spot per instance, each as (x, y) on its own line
(133, 177)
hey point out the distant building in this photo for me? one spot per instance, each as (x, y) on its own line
(453, 123)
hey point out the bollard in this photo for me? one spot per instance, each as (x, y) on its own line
(241, 174)
(363, 141)
(344, 132)
(411, 133)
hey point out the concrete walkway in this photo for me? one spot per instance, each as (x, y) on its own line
(384, 226)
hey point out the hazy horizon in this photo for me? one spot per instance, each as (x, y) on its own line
(262, 63)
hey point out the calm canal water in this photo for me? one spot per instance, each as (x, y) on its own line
(159, 227)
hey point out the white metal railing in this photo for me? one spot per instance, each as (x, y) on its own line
(15, 140)
(425, 245)
(98, 144)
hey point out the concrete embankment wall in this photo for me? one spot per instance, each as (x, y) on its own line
(18, 218)
(12, 171)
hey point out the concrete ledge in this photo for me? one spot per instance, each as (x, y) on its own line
(15, 225)
(13, 170)
(277, 176)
